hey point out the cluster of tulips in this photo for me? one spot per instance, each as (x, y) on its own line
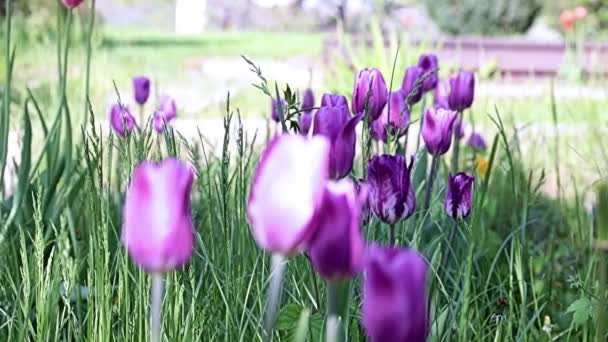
(326, 206)
(121, 119)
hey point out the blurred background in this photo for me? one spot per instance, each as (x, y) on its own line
(192, 49)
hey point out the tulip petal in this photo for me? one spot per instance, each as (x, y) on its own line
(287, 188)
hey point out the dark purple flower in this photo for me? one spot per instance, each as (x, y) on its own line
(308, 101)
(274, 107)
(437, 130)
(72, 3)
(459, 195)
(442, 91)
(141, 89)
(121, 119)
(369, 80)
(412, 74)
(476, 141)
(394, 295)
(429, 63)
(391, 194)
(336, 249)
(336, 124)
(395, 119)
(331, 100)
(459, 127)
(462, 91)
(305, 123)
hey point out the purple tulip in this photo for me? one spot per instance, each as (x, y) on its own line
(442, 91)
(459, 195)
(72, 3)
(121, 119)
(437, 130)
(286, 192)
(378, 92)
(337, 247)
(394, 295)
(159, 122)
(412, 74)
(362, 188)
(331, 100)
(476, 141)
(275, 109)
(305, 123)
(141, 89)
(429, 63)
(462, 91)
(391, 194)
(308, 101)
(459, 128)
(336, 124)
(396, 121)
(157, 226)
(167, 107)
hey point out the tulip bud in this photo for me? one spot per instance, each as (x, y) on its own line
(72, 3)
(462, 91)
(391, 194)
(308, 101)
(336, 124)
(477, 142)
(305, 123)
(394, 304)
(369, 80)
(429, 63)
(336, 249)
(159, 122)
(459, 128)
(121, 119)
(331, 100)
(442, 91)
(141, 89)
(395, 119)
(412, 74)
(157, 226)
(167, 107)
(286, 192)
(459, 195)
(437, 130)
(275, 109)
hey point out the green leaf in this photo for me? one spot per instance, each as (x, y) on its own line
(288, 317)
(581, 309)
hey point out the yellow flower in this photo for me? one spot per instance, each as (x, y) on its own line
(481, 165)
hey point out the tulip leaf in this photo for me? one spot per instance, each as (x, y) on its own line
(420, 167)
(288, 317)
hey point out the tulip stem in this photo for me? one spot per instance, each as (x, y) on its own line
(391, 236)
(156, 307)
(333, 323)
(423, 104)
(314, 282)
(277, 267)
(429, 186)
(456, 151)
(448, 249)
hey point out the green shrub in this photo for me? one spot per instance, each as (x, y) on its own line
(484, 17)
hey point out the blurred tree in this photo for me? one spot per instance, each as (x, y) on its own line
(495, 17)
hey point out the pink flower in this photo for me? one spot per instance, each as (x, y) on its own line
(286, 191)
(580, 12)
(157, 226)
(72, 3)
(567, 19)
(167, 107)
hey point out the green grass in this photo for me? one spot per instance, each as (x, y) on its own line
(524, 265)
